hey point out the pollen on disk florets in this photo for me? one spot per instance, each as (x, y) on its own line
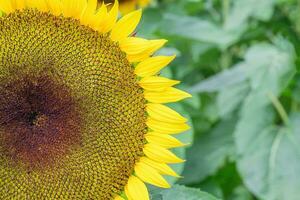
(95, 141)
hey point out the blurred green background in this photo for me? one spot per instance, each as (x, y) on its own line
(239, 59)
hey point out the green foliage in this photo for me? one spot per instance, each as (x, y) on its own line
(209, 152)
(240, 60)
(179, 192)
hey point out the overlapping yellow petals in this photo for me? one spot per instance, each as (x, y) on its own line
(153, 65)
(98, 20)
(101, 20)
(150, 175)
(6, 6)
(55, 6)
(160, 154)
(89, 12)
(110, 20)
(136, 189)
(162, 168)
(38, 4)
(18, 4)
(163, 113)
(71, 8)
(125, 26)
(166, 128)
(157, 83)
(163, 140)
(166, 96)
(84, 10)
(138, 49)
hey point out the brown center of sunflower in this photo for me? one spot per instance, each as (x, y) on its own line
(39, 120)
(72, 114)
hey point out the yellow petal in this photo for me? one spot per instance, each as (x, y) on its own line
(134, 45)
(162, 168)
(149, 175)
(163, 113)
(167, 96)
(152, 46)
(18, 4)
(6, 6)
(160, 154)
(99, 20)
(118, 198)
(73, 8)
(89, 12)
(167, 128)
(125, 26)
(136, 189)
(54, 6)
(66, 6)
(157, 83)
(143, 3)
(138, 49)
(111, 18)
(153, 65)
(163, 140)
(127, 6)
(41, 5)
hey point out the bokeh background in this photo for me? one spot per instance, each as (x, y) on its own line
(239, 59)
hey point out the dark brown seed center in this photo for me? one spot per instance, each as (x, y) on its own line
(39, 120)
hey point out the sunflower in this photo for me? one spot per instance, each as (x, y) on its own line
(127, 6)
(81, 103)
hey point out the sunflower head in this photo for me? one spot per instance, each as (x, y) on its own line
(81, 104)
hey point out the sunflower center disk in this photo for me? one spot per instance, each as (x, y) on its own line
(39, 120)
(72, 115)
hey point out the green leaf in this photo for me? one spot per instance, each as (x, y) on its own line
(198, 29)
(249, 141)
(270, 164)
(241, 193)
(223, 36)
(267, 66)
(270, 65)
(229, 99)
(179, 192)
(263, 62)
(268, 160)
(209, 152)
(222, 80)
(242, 10)
(211, 186)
